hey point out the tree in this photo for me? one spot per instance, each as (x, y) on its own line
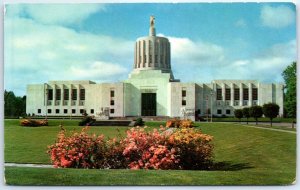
(246, 113)
(14, 106)
(238, 113)
(256, 112)
(290, 98)
(271, 111)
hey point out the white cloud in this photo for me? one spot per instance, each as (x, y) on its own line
(241, 23)
(186, 51)
(36, 52)
(277, 17)
(54, 13)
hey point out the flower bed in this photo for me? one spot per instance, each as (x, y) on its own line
(182, 148)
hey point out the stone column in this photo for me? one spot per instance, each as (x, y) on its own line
(250, 94)
(241, 94)
(223, 93)
(70, 96)
(231, 94)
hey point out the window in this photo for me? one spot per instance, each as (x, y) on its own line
(156, 58)
(112, 110)
(112, 102)
(228, 112)
(183, 93)
(150, 58)
(219, 94)
(245, 94)
(81, 111)
(58, 94)
(183, 102)
(92, 111)
(227, 94)
(74, 94)
(254, 94)
(73, 111)
(65, 111)
(66, 94)
(39, 111)
(50, 94)
(82, 94)
(112, 93)
(219, 111)
(49, 110)
(57, 111)
(236, 94)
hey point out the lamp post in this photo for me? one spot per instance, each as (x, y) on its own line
(46, 99)
(211, 107)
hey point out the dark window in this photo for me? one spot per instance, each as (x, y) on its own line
(112, 102)
(57, 111)
(254, 94)
(228, 112)
(65, 111)
(183, 102)
(112, 93)
(156, 58)
(219, 94)
(58, 94)
(245, 94)
(227, 94)
(73, 111)
(219, 111)
(81, 111)
(49, 110)
(112, 110)
(50, 94)
(66, 94)
(236, 94)
(82, 94)
(74, 94)
(183, 93)
(92, 111)
(39, 111)
(150, 58)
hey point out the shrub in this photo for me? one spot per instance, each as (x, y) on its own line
(86, 121)
(139, 122)
(148, 150)
(192, 147)
(256, 112)
(246, 113)
(176, 123)
(33, 123)
(271, 110)
(183, 148)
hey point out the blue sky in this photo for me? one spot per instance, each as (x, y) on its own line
(95, 41)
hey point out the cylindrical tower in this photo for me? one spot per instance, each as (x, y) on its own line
(152, 52)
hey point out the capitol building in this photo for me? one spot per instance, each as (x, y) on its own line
(150, 90)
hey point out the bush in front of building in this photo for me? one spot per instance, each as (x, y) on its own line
(139, 122)
(87, 120)
(33, 123)
(183, 148)
(177, 123)
(246, 113)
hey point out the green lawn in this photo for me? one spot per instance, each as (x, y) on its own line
(246, 156)
(263, 119)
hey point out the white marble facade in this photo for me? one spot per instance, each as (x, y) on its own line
(150, 90)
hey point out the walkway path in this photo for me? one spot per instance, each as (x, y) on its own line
(280, 130)
(28, 165)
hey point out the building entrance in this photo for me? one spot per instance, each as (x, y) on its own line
(148, 104)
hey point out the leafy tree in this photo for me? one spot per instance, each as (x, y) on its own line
(290, 98)
(246, 113)
(256, 112)
(238, 113)
(271, 111)
(14, 106)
